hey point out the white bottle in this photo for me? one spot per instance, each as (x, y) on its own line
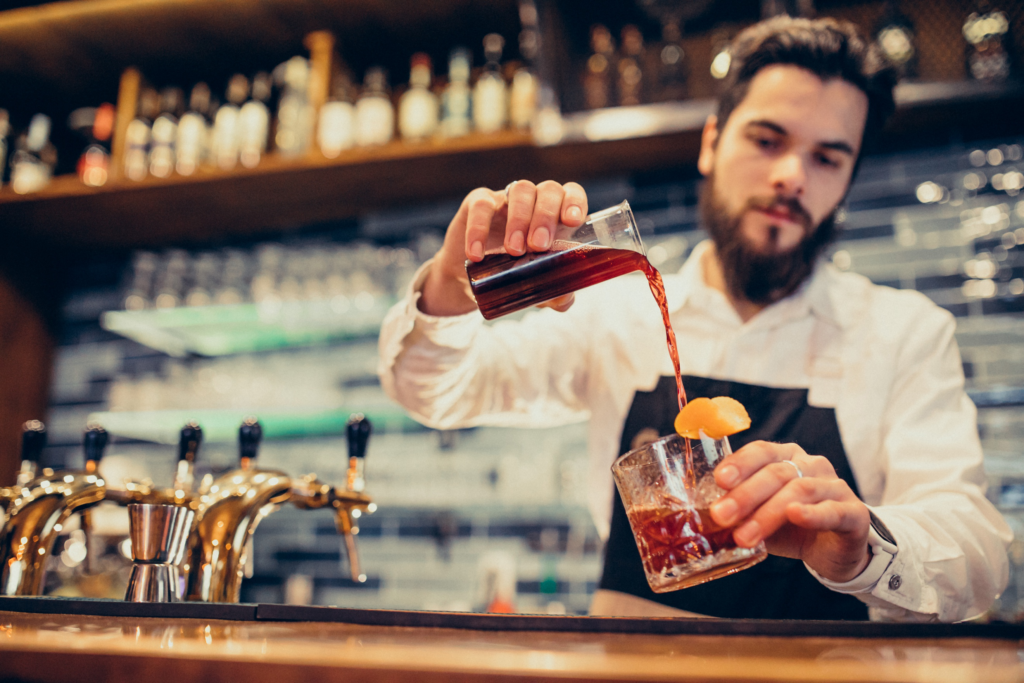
(193, 132)
(164, 134)
(457, 97)
(32, 164)
(295, 115)
(490, 95)
(336, 129)
(375, 115)
(254, 122)
(137, 136)
(224, 145)
(418, 108)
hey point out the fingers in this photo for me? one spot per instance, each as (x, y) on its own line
(828, 515)
(773, 514)
(522, 197)
(546, 210)
(574, 204)
(480, 206)
(750, 459)
(560, 304)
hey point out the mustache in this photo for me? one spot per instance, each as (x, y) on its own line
(790, 205)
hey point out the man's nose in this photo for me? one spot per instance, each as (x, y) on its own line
(788, 175)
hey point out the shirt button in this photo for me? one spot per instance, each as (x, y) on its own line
(895, 582)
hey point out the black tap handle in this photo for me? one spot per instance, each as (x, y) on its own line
(33, 439)
(94, 442)
(358, 432)
(249, 436)
(188, 443)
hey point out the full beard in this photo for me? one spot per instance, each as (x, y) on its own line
(749, 274)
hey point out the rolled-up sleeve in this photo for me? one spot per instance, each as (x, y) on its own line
(459, 371)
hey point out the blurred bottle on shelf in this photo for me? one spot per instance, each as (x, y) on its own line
(232, 284)
(97, 126)
(165, 133)
(672, 70)
(171, 279)
(418, 106)
(375, 115)
(205, 271)
(193, 132)
(457, 96)
(629, 70)
(140, 281)
(896, 39)
(490, 94)
(254, 122)
(597, 78)
(224, 145)
(34, 158)
(523, 93)
(336, 129)
(138, 133)
(5, 130)
(987, 31)
(295, 114)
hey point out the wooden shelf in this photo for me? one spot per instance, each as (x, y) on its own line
(283, 194)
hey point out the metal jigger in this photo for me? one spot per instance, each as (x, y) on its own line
(159, 534)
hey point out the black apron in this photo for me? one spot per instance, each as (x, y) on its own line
(778, 587)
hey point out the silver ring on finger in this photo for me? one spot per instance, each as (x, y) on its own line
(509, 187)
(799, 472)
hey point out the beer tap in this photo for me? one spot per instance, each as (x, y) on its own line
(357, 432)
(190, 438)
(33, 439)
(231, 508)
(41, 507)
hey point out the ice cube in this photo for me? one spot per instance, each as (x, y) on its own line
(707, 492)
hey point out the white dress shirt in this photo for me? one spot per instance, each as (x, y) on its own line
(885, 360)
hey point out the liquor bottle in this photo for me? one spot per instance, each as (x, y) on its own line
(336, 129)
(193, 132)
(457, 97)
(35, 156)
(165, 133)
(671, 65)
(137, 135)
(254, 122)
(490, 95)
(375, 115)
(597, 78)
(295, 115)
(629, 70)
(987, 33)
(523, 93)
(896, 40)
(224, 145)
(418, 106)
(97, 125)
(5, 130)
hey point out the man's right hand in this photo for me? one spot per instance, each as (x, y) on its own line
(484, 223)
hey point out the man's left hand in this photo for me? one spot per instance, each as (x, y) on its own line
(815, 518)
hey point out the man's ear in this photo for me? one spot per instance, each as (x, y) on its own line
(708, 142)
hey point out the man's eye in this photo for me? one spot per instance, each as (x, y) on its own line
(827, 161)
(765, 143)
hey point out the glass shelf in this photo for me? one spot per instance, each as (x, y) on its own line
(245, 328)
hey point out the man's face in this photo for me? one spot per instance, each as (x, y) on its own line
(780, 165)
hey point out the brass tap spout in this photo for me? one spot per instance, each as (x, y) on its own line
(40, 508)
(231, 508)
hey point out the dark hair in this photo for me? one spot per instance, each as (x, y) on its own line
(826, 47)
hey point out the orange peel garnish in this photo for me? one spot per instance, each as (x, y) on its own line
(718, 417)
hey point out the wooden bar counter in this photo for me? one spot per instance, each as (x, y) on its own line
(55, 647)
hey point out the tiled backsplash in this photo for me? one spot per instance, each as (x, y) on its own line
(948, 222)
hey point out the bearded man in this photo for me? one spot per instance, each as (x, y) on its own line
(862, 470)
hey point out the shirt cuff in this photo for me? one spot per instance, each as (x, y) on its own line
(883, 553)
(452, 331)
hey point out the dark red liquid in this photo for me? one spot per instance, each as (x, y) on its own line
(503, 284)
(669, 537)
